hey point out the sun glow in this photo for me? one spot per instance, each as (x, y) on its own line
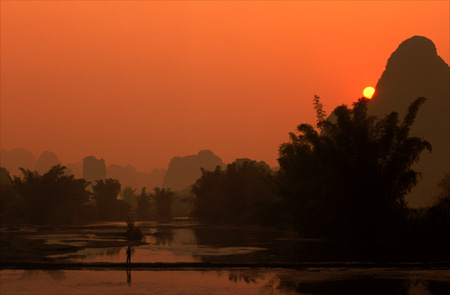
(368, 92)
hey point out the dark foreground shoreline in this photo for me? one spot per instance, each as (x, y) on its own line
(208, 266)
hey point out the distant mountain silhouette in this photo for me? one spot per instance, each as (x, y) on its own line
(17, 158)
(184, 171)
(128, 176)
(93, 168)
(412, 71)
(46, 161)
(75, 169)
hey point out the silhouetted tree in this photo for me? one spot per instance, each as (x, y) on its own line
(143, 205)
(437, 221)
(105, 192)
(129, 195)
(441, 206)
(183, 203)
(347, 179)
(244, 193)
(10, 206)
(52, 197)
(163, 199)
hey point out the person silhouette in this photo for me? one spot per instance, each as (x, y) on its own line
(129, 254)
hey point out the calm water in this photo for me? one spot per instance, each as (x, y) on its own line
(172, 243)
(190, 243)
(235, 281)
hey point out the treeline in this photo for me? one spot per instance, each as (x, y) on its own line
(245, 192)
(57, 198)
(344, 180)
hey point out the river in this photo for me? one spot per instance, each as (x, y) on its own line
(189, 242)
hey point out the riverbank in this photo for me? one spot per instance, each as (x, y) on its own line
(45, 244)
(178, 243)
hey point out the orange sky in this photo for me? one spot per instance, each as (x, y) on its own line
(141, 82)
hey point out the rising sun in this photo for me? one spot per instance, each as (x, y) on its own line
(368, 92)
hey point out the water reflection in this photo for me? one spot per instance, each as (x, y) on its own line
(438, 287)
(164, 236)
(129, 277)
(175, 243)
(221, 237)
(234, 281)
(246, 276)
(54, 274)
(342, 281)
(366, 286)
(369, 286)
(113, 254)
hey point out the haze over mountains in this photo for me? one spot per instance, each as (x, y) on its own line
(184, 171)
(91, 168)
(412, 71)
(17, 158)
(415, 70)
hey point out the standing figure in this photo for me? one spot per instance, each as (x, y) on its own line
(129, 254)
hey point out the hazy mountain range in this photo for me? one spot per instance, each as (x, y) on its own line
(128, 176)
(181, 173)
(413, 70)
(184, 171)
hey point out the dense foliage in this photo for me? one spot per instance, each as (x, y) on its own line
(163, 200)
(51, 197)
(105, 193)
(57, 198)
(155, 206)
(244, 193)
(434, 225)
(347, 178)
(343, 180)
(144, 203)
(129, 195)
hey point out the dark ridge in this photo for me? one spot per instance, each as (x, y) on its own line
(416, 70)
(184, 171)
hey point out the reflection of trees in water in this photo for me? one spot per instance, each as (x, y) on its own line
(242, 236)
(367, 286)
(437, 287)
(113, 251)
(163, 236)
(245, 275)
(276, 283)
(55, 274)
(219, 237)
(280, 246)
